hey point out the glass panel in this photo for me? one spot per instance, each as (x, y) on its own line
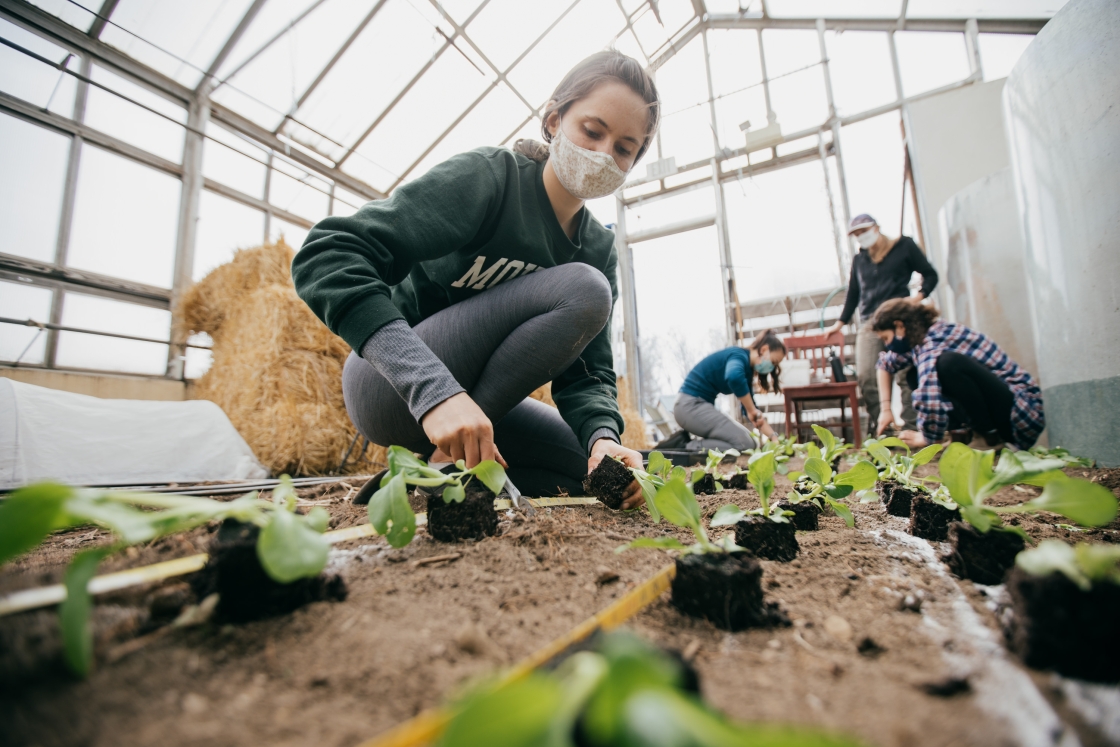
(346, 202)
(1000, 52)
(860, 66)
(505, 28)
(270, 85)
(930, 59)
(125, 121)
(650, 216)
(198, 361)
(223, 226)
(178, 39)
(735, 60)
(781, 233)
(653, 34)
(24, 301)
(734, 110)
(460, 10)
(300, 196)
(589, 28)
(33, 161)
(125, 219)
(675, 336)
(77, 350)
(983, 8)
(434, 102)
(687, 135)
(604, 209)
(273, 17)
(799, 100)
(722, 6)
(292, 234)
(71, 13)
(627, 43)
(494, 118)
(380, 62)
(531, 130)
(26, 78)
(789, 50)
(873, 164)
(245, 173)
(835, 8)
(682, 81)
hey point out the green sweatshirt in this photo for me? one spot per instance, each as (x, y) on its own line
(476, 220)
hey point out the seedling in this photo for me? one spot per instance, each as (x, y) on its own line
(658, 472)
(833, 447)
(709, 479)
(677, 503)
(781, 448)
(389, 510)
(765, 531)
(761, 476)
(1059, 453)
(831, 487)
(900, 467)
(289, 547)
(1083, 564)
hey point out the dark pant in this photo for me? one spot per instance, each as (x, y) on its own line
(980, 398)
(500, 346)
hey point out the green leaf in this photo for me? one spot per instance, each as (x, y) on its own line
(1098, 562)
(677, 473)
(455, 492)
(401, 459)
(289, 549)
(861, 476)
(657, 464)
(955, 468)
(1053, 555)
(132, 525)
(29, 515)
(927, 454)
(842, 511)
(661, 543)
(492, 475)
(818, 470)
(284, 494)
(677, 503)
(977, 517)
(318, 519)
(893, 442)
(811, 450)
(837, 492)
(727, 516)
(520, 714)
(381, 503)
(1086, 503)
(649, 491)
(73, 613)
(826, 436)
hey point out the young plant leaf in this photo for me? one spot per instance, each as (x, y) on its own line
(893, 442)
(663, 543)
(491, 474)
(861, 476)
(29, 515)
(955, 468)
(1087, 503)
(837, 492)
(649, 491)
(289, 549)
(1053, 555)
(390, 513)
(828, 440)
(812, 451)
(657, 464)
(318, 519)
(818, 471)
(454, 493)
(727, 516)
(1098, 562)
(841, 510)
(925, 455)
(677, 503)
(73, 613)
(977, 517)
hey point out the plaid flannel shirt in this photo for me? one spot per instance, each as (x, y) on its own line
(1027, 419)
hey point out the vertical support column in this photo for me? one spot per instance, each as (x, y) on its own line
(629, 306)
(66, 215)
(770, 115)
(267, 186)
(841, 253)
(723, 236)
(972, 46)
(834, 123)
(198, 115)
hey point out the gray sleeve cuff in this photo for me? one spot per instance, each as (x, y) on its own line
(410, 367)
(602, 433)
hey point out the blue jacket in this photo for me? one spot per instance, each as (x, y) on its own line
(727, 371)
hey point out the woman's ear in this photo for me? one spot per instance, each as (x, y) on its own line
(552, 121)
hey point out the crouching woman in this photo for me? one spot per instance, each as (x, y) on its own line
(964, 378)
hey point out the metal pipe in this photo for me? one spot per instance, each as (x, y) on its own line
(629, 305)
(62, 328)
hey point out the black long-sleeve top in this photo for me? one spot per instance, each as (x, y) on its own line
(871, 284)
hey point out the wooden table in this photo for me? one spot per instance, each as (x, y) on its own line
(795, 396)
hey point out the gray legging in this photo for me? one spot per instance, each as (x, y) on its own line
(712, 429)
(501, 345)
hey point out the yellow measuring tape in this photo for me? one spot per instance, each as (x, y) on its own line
(29, 599)
(427, 726)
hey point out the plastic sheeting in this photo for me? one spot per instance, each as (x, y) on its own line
(82, 440)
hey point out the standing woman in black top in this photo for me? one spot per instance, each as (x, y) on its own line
(881, 271)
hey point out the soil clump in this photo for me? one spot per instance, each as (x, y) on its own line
(805, 515)
(930, 520)
(725, 589)
(983, 557)
(704, 485)
(608, 482)
(473, 518)
(766, 539)
(896, 497)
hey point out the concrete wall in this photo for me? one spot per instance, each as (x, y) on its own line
(955, 138)
(1064, 128)
(106, 386)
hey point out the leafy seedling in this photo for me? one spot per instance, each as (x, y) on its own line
(971, 480)
(389, 510)
(761, 476)
(900, 467)
(677, 503)
(290, 546)
(1084, 564)
(1059, 453)
(831, 487)
(782, 449)
(657, 473)
(833, 447)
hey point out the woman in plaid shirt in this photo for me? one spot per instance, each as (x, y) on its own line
(962, 376)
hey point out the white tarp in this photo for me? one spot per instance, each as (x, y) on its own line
(82, 440)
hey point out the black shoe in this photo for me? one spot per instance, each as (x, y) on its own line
(992, 438)
(366, 492)
(961, 436)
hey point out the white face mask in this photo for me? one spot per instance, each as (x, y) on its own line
(586, 174)
(868, 238)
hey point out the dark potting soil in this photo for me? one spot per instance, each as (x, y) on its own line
(705, 485)
(608, 482)
(726, 589)
(983, 557)
(896, 497)
(929, 520)
(738, 481)
(245, 591)
(1058, 626)
(805, 515)
(767, 539)
(473, 518)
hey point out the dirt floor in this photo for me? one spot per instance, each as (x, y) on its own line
(884, 644)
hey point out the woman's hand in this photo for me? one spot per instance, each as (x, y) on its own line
(606, 447)
(460, 429)
(913, 439)
(886, 420)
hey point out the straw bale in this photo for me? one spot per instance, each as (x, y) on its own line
(276, 370)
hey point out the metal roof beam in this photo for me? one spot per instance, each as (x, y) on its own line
(102, 19)
(208, 83)
(986, 26)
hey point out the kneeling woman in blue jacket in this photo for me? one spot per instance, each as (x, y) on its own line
(729, 371)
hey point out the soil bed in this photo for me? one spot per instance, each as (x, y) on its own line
(983, 557)
(608, 482)
(474, 518)
(770, 540)
(930, 520)
(805, 517)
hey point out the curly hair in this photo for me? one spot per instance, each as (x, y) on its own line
(915, 317)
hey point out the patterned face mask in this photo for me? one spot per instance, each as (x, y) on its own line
(586, 174)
